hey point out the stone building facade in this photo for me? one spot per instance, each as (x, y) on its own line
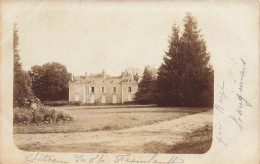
(102, 89)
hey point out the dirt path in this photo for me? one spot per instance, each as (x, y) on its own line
(135, 140)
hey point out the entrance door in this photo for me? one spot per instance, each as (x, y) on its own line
(92, 99)
(114, 99)
(103, 99)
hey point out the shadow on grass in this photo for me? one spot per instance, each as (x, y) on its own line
(197, 142)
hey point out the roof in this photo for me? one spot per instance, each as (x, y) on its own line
(102, 79)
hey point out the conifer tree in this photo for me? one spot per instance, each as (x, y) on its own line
(146, 88)
(22, 93)
(186, 78)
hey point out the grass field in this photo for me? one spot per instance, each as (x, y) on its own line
(121, 130)
(92, 119)
(197, 142)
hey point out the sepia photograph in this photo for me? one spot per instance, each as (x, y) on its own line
(97, 80)
(129, 82)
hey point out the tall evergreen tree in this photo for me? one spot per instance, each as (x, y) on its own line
(186, 78)
(167, 89)
(146, 88)
(22, 93)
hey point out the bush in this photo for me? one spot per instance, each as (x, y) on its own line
(55, 103)
(40, 115)
(61, 103)
(38, 118)
(132, 103)
(76, 103)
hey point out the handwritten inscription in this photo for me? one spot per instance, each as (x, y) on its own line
(219, 106)
(219, 134)
(126, 158)
(222, 99)
(237, 117)
(96, 159)
(100, 158)
(38, 157)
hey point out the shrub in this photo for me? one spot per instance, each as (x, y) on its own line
(38, 118)
(55, 103)
(60, 116)
(92, 104)
(106, 128)
(132, 103)
(68, 117)
(40, 115)
(76, 103)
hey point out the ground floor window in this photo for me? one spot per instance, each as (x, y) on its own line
(92, 99)
(114, 99)
(103, 99)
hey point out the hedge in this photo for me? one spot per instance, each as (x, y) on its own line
(40, 115)
(62, 103)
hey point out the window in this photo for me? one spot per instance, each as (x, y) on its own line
(114, 89)
(103, 99)
(129, 89)
(114, 99)
(103, 90)
(92, 89)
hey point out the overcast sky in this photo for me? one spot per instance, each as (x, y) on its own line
(116, 35)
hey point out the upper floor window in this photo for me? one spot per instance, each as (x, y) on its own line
(103, 90)
(129, 89)
(92, 89)
(114, 89)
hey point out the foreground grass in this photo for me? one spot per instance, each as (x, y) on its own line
(87, 120)
(197, 142)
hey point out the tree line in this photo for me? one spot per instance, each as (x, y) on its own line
(185, 78)
(48, 82)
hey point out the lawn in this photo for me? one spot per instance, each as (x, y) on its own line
(197, 142)
(89, 119)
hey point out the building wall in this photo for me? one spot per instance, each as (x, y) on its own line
(134, 88)
(108, 87)
(76, 89)
(81, 88)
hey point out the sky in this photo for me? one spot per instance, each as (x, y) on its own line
(112, 36)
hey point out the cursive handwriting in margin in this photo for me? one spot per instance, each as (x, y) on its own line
(38, 157)
(237, 117)
(126, 158)
(220, 107)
